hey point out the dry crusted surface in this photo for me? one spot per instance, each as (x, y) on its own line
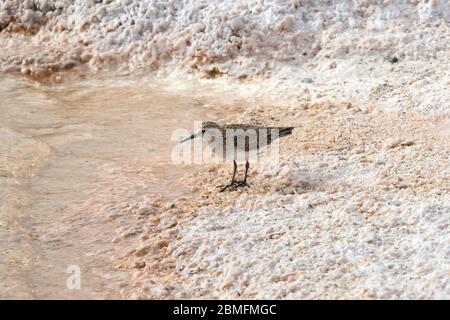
(357, 207)
(42, 39)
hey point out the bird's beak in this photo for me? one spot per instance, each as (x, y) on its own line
(188, 138)
(193, 136)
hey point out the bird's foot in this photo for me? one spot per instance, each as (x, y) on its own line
(233, 185)
(242, 184)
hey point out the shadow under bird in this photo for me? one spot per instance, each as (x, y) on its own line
(237, 142)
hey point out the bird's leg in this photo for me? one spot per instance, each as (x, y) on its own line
(247, 166)
(234, 172)
(233, 182)
(244, 182)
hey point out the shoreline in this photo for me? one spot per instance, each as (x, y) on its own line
(353, 174)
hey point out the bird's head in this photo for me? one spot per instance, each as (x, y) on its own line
(207, 125)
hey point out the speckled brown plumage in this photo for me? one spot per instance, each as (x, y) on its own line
(246, 139)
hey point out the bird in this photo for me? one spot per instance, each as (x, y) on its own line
(238, 142)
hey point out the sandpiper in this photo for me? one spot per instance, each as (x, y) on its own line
(238, 142)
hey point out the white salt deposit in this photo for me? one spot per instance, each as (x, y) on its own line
(239, 39)
(304, 252)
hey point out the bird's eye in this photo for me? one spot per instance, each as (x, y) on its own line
(203, 131)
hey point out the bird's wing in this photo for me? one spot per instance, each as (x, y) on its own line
(240, 126)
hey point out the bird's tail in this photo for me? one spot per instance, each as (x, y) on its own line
(285, 131)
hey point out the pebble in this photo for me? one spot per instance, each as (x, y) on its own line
(143, 250)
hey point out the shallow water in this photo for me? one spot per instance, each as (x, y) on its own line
(60, 145)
